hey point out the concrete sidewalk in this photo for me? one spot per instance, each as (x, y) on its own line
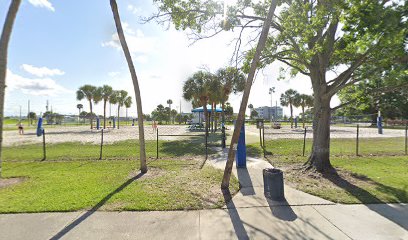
(248, 216)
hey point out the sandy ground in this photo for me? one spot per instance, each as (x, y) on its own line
(85, 135)
(335, 132)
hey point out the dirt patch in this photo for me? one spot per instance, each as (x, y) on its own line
(338, 177)
(339, 185)
(7, 182)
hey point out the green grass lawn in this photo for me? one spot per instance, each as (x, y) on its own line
(111, 185)
(378, 175)
(376, 179)
(338, 147)
(128, 149)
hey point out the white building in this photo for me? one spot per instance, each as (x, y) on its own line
(268, 113)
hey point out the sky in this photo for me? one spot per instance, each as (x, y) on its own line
(58, 46)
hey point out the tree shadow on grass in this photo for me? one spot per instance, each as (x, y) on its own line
(394, 214)
(87, 214)
(254, 151)
(190, 146)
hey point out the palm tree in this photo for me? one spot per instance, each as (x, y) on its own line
(105, 92)
(170, 102)
(251, 107)
(173, 114)
(303, 101)
(128, 104)
(119, 98)
(32, 116)
(79, 106)
(289, 99)
(196, 89)
(89, 92)
(241, 114)
(4, 41)
(114, 6)
(232, 80)
(214, 87)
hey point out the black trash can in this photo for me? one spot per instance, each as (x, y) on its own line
(273, 184)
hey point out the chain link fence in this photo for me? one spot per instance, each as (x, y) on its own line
(359, 139)
(83, 143)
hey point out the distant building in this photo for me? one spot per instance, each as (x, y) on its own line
(268, 113)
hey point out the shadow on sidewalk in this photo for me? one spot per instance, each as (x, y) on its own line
(393, 214)
(87, 214)
(235, 218)
(282, 210)
(245, 181)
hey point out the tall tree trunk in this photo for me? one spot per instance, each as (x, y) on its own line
(223, 112)
(244, 102)
(223, 124)
(104, 114)
(215, 118)
(4, 41)
(212, 117)
(206, 118)
(118, 114)
(291, 115)
(169, 114)
(143, 166)
(303, 116)
(90, 109)
(320, 156)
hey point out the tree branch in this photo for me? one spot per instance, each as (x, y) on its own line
(342, 79)
(378, 90)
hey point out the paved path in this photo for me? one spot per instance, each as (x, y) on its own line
(248, 216)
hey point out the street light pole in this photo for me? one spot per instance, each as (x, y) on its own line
(271, 90)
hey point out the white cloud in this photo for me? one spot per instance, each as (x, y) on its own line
(42, 4)
(113, 74)
(141, 59)
(33, 86)
(138, 43)
(41, 71)
(131, 8)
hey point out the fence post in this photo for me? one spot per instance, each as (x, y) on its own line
(406, 139)
(157, 143)
(357, 142)
(44, 150)
(100, 154)
(304, 142)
